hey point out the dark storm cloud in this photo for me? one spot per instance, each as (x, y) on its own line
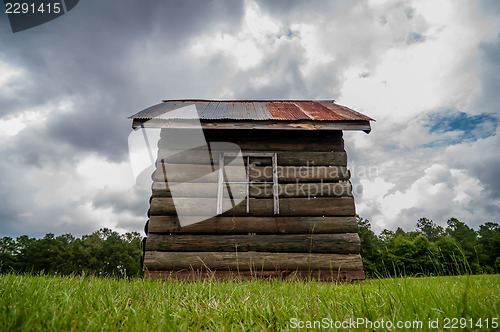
(123, 201)
(489, 7)
(489, 99)
(106, 60)
(16, 201)
(9, 225)
(32, 147)
(92, 56)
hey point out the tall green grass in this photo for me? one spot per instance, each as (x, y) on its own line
(90, 303)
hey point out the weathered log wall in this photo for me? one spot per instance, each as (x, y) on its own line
(320, 206)
(314, 234)
(203, 274)
(189, 172)
(206, 190)
(247, 261)
(262, 225)
(313, 243)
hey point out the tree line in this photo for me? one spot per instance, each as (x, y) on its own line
(102, 253)
(428, 250)
(431, 249)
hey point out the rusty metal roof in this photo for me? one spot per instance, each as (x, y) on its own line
(255, 110)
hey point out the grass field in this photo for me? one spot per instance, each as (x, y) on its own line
(90, 303)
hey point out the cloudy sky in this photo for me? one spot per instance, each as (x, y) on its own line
(428, 72)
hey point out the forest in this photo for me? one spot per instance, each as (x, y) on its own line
(428, 250)
(431, 249)
(102, 253)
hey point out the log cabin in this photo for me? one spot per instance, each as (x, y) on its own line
(251, 189)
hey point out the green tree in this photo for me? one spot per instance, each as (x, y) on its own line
(429, 229)
(7, 253)
(449, 256)
(407, 253)
(105, 252)
(386, 235)
(370, 246)
(467, 240)
(102, 253)
(24, 258)
(424, 256)
(465, 235)
(489, 240)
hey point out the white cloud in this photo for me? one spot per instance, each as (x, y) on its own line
(438, 72)
(7, 74)
(441, 193)
(32, 117)
(97, 173)
(479, 159)
(248, 46)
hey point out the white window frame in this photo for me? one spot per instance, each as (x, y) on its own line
(222, 179)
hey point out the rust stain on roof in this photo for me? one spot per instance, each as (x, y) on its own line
(284, 110)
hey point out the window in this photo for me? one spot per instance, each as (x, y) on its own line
(223, 179)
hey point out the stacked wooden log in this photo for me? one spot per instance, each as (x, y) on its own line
(313, 236)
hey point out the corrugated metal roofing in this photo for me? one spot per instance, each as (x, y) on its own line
(286, 110)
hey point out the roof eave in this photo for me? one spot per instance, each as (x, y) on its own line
(361, 125)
